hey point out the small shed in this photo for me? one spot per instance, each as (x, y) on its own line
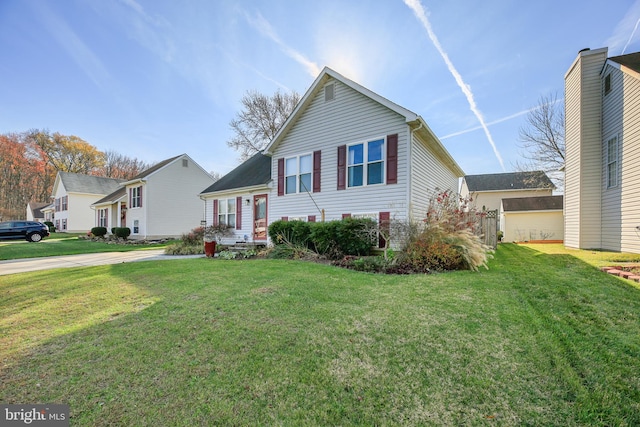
(533, 219)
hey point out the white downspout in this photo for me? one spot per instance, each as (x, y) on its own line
(409, 174)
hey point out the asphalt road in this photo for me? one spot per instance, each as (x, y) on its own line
(85, 260)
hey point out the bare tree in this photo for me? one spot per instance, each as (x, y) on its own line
(119, 166)
(259, 120)
(542, 139)
(216, 175)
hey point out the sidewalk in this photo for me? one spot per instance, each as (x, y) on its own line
(85, 260)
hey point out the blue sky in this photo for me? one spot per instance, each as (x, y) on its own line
(156, 78)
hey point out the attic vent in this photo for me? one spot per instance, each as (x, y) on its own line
(185, 163)
(328, 92)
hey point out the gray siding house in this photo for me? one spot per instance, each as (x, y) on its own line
(602, 138)
(344, 151)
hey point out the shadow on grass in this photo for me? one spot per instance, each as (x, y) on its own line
(538, 339)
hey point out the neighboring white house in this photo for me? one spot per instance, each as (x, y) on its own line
(490, 191)
(344, 151)
(160, 202)
(602, 171)
(35, 212)
(532, 219)
(73, 194)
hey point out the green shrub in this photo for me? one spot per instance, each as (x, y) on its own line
(99, 231)
(333, 239)
(122, 232)
(324, 239)
(353, 238)
(291, 232)
(52, 228)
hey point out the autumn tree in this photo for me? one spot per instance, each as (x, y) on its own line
(23, 176)
(542, 139)
(67, 153)
(259, 120)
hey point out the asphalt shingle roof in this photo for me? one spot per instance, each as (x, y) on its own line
(509, 181)
(254, 171)
(88, 184)
(543, 203)
(631, 60)
(111, 198)
(154, 168)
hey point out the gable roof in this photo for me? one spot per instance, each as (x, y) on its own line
(88, 184)
(534, 180)
(152, 169)
(36, 208)
(543, 203)
(631, 61)
(411, 118)
(254, 171)
(112, 198)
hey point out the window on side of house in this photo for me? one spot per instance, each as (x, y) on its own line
(102, 218)
(65, 203)
(612, 162)
(365, 163)
(136, 197)
(297, 174)
(227, 212)
(607, 83)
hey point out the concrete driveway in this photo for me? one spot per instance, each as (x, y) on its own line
(85, 260)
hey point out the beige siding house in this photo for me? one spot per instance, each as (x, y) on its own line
(73, 194)
(160, 202)
(344, 151)
(516, 197)
(602, 182)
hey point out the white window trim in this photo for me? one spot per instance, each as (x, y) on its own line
(365, 162)
(297, 174)
(223, 204)
(102, 217)
(138, 197)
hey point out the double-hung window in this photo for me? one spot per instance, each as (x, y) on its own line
(365, 163)
(612, 162)
(227, 212)
(297, 172)
(136, 197)
(102, 217)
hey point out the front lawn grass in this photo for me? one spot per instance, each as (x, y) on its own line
(539, 339)
(62, 244)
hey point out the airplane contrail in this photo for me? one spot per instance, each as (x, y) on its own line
(421, 14)
(500, 120)
(631, 36)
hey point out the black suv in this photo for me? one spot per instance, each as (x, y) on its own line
(30, 230)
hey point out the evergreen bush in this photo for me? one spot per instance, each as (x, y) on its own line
(99, 231)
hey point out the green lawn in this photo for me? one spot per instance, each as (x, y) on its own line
(61, 244)
(539, 339)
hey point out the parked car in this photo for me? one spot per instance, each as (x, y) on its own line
(30, 230)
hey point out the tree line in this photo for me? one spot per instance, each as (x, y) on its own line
(30, 160)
